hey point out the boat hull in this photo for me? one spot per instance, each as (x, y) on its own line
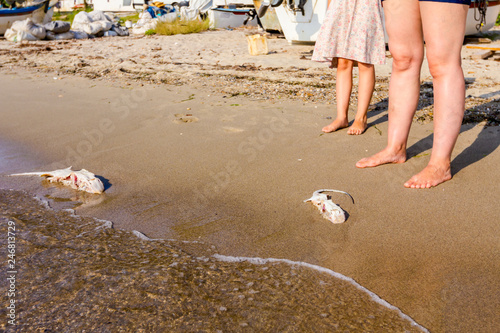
(270, 20)
(39, 13)
(221, 18)
(491, 18)
(299, 28)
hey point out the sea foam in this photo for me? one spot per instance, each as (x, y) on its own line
(373, 296)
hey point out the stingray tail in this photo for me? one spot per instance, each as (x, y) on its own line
(326, 190)
(29, 174)
(44, 173)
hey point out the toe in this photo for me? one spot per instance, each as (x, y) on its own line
(410, 183)
(364, 163)
(360, 163)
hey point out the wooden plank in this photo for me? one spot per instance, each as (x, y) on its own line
(480, 40)
(491, 48)
(482, 55)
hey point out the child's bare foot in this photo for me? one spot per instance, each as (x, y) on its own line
(336, 125)
(383, 157)
(431, 176)
(357, 127)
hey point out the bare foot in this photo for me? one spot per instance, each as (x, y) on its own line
(383, 157)
(336, 125)
(429, 177)
(357, 127)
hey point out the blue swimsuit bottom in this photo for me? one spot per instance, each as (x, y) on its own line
(461, 2)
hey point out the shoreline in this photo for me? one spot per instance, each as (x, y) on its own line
(254, 161)
(222, 292)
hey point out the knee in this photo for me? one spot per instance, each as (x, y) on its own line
(404, 60)
(441, 66)
(344, 64)
(366, 68)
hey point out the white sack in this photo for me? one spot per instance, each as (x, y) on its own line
(31, 28)
(170, 17)
(98, 15)
(18, 36)
(82, 17)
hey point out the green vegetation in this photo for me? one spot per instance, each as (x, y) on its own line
(498, 20)
(150, 32)
(134, 18)
(68, 16)
(181, 27)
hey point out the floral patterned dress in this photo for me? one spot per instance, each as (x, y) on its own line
(352, 29)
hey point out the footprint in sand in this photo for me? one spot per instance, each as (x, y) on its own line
(228, 118)
(233, 130)
(185, 118)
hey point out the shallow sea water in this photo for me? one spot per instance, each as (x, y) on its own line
(79, 274)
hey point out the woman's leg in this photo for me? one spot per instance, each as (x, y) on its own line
(343, 90)
(404, 27)
(444, 28)
(365, 92)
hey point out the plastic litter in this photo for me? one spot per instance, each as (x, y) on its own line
(65, 35)
(57, 27)
(80, 34)
(85, 25)
(31, 28)
(110, 33)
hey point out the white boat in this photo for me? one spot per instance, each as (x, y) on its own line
(301, 20)
(38, 11)
(472, 26)
(230, 14)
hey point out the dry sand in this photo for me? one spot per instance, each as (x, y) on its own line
(200, 141)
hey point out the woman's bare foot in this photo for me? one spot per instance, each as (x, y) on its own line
(431, 176)
(336, 125)
(357, 127)
(383, 157)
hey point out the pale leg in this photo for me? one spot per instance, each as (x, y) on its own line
(343, 91)
(404, 27)
(365, 92)
(444, 28)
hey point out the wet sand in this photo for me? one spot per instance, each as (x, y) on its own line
(195, 162)
(74, 274)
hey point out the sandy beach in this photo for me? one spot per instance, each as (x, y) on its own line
(199, 141)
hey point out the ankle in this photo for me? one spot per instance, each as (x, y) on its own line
(362, 118)
(397, 149)
(443, 164)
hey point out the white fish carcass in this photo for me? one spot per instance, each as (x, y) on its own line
(327, 207)
(82, 180)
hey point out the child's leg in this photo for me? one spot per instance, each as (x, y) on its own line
(343, 89)
(365, 92)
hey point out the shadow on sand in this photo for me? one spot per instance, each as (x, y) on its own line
(107, 184)
(486, 142)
